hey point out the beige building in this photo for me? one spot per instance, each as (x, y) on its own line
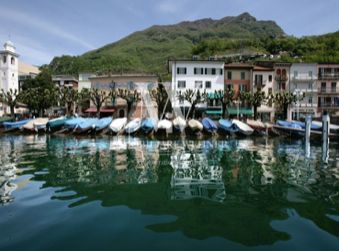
(140, 82)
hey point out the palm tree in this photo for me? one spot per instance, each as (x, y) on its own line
(9, 98)
(99, 97)
(193, 97)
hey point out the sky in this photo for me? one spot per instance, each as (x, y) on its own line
(43, 29)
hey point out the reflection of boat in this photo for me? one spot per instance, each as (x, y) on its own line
(133, 126)
(118, 124)
(195, 125)
(209, 125)
(11, 126)
(243, 128)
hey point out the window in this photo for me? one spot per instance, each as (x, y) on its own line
(278, 72)
(198, 84)
(12, 60)
(210, 71)
(310, 100)
(283, 72)
(229, 75)
(258, 80)
(323, 86)
(198, 71)
(208, 85)
(220, 71)
(333, 86)
(213, 71)
(242, 88)
(181, 70)
(181, 84)
(242, 75)
(295, 74)
(229, 87)
(4, 59)
(310, 73)
(270, 78)
(310, 86)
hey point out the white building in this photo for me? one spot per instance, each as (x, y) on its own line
(84, 82)
(8, 71)
(263, 80)
(303, 83)
(202, 75)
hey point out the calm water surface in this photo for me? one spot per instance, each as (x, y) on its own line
(114, 193)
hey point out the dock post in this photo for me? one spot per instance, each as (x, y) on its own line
(308, 123)
(325, 138)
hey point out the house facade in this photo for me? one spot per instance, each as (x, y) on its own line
(328, 89)
(262, 80)
(203, 75)
(68, 81)
(142, 83)
(303, 83)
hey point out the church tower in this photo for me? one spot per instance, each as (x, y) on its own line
(8, 69)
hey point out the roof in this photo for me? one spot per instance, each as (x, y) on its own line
(238, 66)
(260, 68)
(93, 110)
(27, 69)
(127, 75)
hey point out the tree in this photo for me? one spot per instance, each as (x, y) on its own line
(131, 97)
(255, 100)
(68, 97)
(194, 97)
(225, 97)
(160, 96)
(283, 100)
(99, 97)
(9, 98)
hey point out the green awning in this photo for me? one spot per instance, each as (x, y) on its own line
(213, 95)
(214, 112)
(241, 110)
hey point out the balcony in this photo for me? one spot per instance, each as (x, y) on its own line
(328, 106)
(331, 90)
(329, 76)
(281, 78)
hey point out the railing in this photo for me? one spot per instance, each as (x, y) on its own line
(305, 105)
(329, 106)
(281, 78)
(329, 76)
(303, 79)
(328, 90)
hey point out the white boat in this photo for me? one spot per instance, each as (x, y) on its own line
(133, 126)
(179, 123)
(332, 126)
(243, 128)
(164, 124)
(40, 124)
(118, 124)
(34, 124)
(195, 125)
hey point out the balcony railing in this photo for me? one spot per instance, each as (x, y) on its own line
(331, 90)
(329, 76)
(281, 78)
(331, 106)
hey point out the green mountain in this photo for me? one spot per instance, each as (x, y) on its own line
(149, 50)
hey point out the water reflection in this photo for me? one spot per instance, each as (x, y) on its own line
(212, 187)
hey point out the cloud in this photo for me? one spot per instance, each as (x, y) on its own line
(26, 20)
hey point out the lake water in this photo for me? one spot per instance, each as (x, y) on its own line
(123, 193)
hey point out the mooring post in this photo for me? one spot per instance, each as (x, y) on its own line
(308, 123)
(325, 137)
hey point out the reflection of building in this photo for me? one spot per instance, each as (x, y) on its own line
(194, 177)
(7, 174)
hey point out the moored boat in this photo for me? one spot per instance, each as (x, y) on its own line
(165, 125)
(118, 124)
(209, 125)
(227, 126)
(5, 119)
(179, 123)
(148, 125)
(11, 126)
(86, 125)
(103, 123)
(195, 125)
(133, 126)
(40, 124)
(72, 123)
(57, 123)
(243, 128)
